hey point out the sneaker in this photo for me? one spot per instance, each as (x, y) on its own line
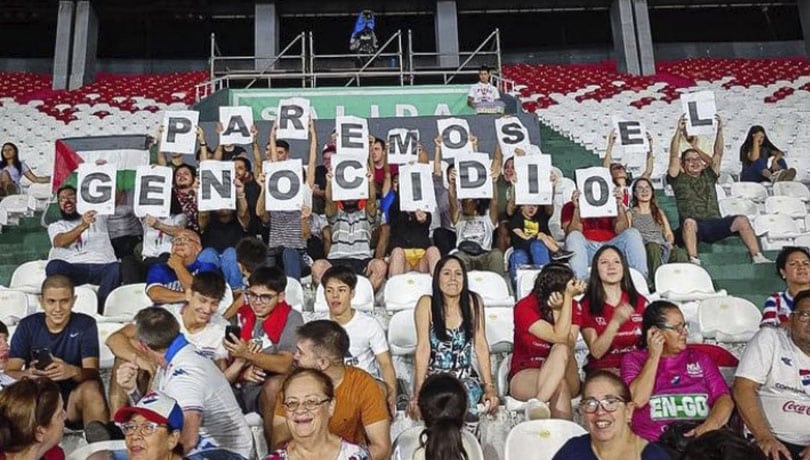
(695, 260)
(562, 254)
(758, 258)
(784, 175)
(536, 410)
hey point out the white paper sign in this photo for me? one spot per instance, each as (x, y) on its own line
(292, 117)
(283, 185)
(349, 180)
(402, 145)
(473, 178)
(511, 135)
(153, 191)
(416, 188)
(455, 134)
(631, 135)
(217, 189)
(352, 136)
(180, 131)
(533, 185)
(595, 193)
(700, 110)
(236, 124)
(96, 188)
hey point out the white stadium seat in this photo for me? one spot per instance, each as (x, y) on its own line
(502, 376)
(525, 281)
(500, 329)
(86, 301)
(728, 319)
(294, 294)
(749, 190)
(106, 358)
(679, 282)
(787, 205)
(403, 291)
(539, 439)
(363, 296)
(14, 306)
(95, 449)
(491, 287)
(791, 188)
(640, 283)
(29, 276)
(408, 442)
(776, 231)
(738, 206)
(402, 333)
(124, 302)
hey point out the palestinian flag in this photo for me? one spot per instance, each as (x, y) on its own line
(126, 152)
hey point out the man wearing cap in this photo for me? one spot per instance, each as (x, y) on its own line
(211, 415)
(167, 282)
(152, 428)
(82, 250)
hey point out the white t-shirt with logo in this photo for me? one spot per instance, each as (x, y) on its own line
(156, 242)
(483, 92)
(475, 228)
(93, 246)
(366, 341)
(208, 340)
(773, 360)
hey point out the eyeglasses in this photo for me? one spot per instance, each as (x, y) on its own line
(803, 316)
(308, 405)
(147, 429)
(262, 299)
(591, 405)
(679, 328)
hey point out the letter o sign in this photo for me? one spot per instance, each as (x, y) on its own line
(596, 197)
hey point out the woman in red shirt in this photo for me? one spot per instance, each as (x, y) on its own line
(612, 310)
(543, 370)
(27, 437)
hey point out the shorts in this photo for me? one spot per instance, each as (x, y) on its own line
(357, 265)
(713, 230)
(247, 396)
(414, 256)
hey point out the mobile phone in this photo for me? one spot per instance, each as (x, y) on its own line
(235, 330)
(43, 358)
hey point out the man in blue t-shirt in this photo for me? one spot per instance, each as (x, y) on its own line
(62, 346)
(167, 282)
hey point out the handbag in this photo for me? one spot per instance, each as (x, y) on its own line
(471, 247)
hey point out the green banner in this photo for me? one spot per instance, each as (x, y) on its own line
(367, 102)
(679, 407)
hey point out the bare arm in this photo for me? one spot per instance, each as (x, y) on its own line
(422, 355)
(65, 239)
(261, 210)
(162, 294)
(379, 440)
(313, 154)
(674, 147)
(205, 154)
(437, 157)
(608, 160)
(389, 375)
(452, 194)
(330, 207)
(257, 152)
(719, 146)
(668, 234)
(575, 224)
(190, 436)
(750, 407)
(121, 343)
(371, 203)
(493, 203)
(281, 433)
(273, 154)
(650, 162)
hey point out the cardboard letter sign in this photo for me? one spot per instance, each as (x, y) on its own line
(416, 188)
(455, 134)
(236, 124)
(595, 193)
(533, 184)
(473, 178)
(292, 117)
(352, 136)
(700, 109)
(153, 191)
(180, 131)
(632, 136)
(349, 181)
(402, 145)
(217, 190)
(96, 188)
(284, 185)
(511, 135)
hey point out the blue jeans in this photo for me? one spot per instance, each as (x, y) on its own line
(226, 262)
(538, 254)
(628, 241)
(106, 276)
(292, 260)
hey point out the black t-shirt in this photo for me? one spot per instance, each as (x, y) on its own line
(530, 227)
(406, 231)
(252, 191)
(228, 156)
(221, 236)
(319, 204)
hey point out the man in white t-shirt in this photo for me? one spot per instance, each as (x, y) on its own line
(82, 250)
(772, 385)
(368, 347)
(483, 91)
(199, 323)
(211, 415)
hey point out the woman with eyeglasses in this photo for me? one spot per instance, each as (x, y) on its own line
(308, 397)
(606, 409)
(32, 420)
(152, 428)
(793, 266)
(611, 310)
(670, 382)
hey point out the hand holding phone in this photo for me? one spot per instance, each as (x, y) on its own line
(235, 330)
(42, 358)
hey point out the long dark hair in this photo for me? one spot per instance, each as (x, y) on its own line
(14, 161)
(469, 318)
(552, 278)
(595, 293)
(748, 144)
(443, 404)
(654, 315)
(654, 209)
(25, 406)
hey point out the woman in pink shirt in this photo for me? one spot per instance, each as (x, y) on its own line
(611, 310)
(670, 382)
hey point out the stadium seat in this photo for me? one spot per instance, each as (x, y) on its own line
(15, 205)
(15, 306)
(525, 281)
(802, 240)
(776, 231)
(681, 282)
(500, 329)
(502, 376)
(124, 302)
(96, 449)
(738, 206)
(294, 294)
(106, 357)
(791, 188)
(402, 333)
(29, 276)
(787, 205)
(750, 191)
(491, 287)
(363, 296)
(728, 319)
(403, 291)
(408, 442)
(227, 300)
(539, 439)
(721, 192)
(86, 301)
(640, 283)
